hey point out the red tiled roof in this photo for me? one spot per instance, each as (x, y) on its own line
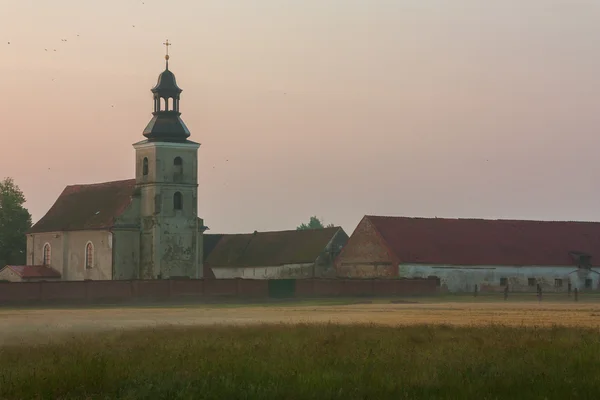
(82, 207)
(34, 271)
(262, 249)
(488, 242)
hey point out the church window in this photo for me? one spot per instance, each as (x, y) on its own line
(47, 254)
(178, 201)
(178, 165)
(145, 166)
(89, 255)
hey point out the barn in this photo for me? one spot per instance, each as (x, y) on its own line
(293, 254)
(475, 254)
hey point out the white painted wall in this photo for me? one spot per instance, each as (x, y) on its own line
(464, 278)
(290, 271)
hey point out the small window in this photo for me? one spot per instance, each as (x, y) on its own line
(47, 254)
(145, 166)
(503, 281)
(531, 282)
(178, 166)
(558, 282)
(588, 283)
(89, 255)
(178, 201)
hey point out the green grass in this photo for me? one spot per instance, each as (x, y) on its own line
(308, 362)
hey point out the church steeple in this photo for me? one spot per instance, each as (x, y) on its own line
(166, 125)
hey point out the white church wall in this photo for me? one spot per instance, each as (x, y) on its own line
(101, 268)
(35, 250)
(464, 278)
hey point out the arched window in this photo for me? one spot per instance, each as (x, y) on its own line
(145, 166)
(89, 255)
(47, 254)
(178, 165)
(178, 201)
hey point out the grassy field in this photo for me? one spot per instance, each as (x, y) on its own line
(321, 361)
(453, 347)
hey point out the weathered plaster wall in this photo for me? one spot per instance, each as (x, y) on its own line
(464, 279)
(365, 255)
(126, 241)
(101, 261)
(35, 250)
(169, 238)
(290, 271)
(68, 253)
(126, 253)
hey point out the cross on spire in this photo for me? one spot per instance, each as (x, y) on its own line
(167, 44)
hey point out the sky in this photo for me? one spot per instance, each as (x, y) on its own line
(334, 108)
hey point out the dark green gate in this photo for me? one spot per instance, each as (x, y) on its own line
(282, 288)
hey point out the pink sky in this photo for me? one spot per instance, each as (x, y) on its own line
(337, 108)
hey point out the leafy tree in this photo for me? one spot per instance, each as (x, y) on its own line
(15, 220)
(314, 223)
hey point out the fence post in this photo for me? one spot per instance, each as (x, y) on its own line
(475, 292)
(576, 292)
(506, 292)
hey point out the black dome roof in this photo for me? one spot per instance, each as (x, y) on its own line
(166, 85)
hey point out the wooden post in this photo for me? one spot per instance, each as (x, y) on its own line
(576, 294)
(569, 289)
(475, 292)
(506, 292)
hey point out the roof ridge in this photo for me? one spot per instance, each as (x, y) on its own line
(132, 180)
(480, 219)
(280, 231)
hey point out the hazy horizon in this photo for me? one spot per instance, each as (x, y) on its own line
(334, 108)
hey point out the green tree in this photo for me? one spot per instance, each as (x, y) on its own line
(15, 220)
(314, 223)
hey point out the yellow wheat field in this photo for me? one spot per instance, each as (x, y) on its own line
(41, 324)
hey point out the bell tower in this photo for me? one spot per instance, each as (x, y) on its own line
(167, 182)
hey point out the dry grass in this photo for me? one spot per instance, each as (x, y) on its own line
(35, 325)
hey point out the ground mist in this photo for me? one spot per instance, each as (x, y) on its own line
(308, 362)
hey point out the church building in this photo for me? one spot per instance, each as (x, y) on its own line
(142, 228)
